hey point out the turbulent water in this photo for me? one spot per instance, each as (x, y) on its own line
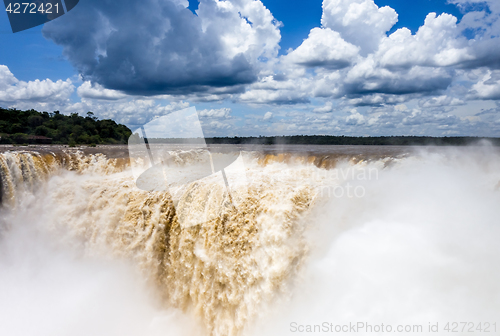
(397, 237)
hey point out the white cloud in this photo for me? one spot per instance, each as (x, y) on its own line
(219, 125)
(328, 107)
(7, 79)
(96, 91)
(441, 74)
(360, 22)
(215, 113)
(377, 99)
(252, 28)
(437, 43)
(368, 77)
(393, 70)
(130, 111)
(168, 49)
(440, 101)
(324, 47)
(488, 87)
(354, 59)
(355, 118)
(493, 5)
(13, 90)
(271, 91)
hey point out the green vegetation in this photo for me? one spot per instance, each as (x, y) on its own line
(21, 127)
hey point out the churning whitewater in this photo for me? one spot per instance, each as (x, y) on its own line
(404, 237)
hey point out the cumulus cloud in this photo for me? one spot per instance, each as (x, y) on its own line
(270, 90)
(7, 79)
(488, 87)
(367, 77)
(360, 22)
(130, 111)
(267, 116)
(437, 43)
(354, 59)
(218, 125)
(378, 99)
(152, 47)
(215, 113)
(440, 101)
(47, 95)
(324, 47)
(355, 119)
(328, 107)
(357, 75)
(13, 90)
(96, 91)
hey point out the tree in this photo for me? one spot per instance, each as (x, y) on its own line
(59, 127)
(42, 130)
(35, 120)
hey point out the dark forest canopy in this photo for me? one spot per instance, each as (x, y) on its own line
(19, 127)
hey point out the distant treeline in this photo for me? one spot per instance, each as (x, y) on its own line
(20, 127)
(342, 140)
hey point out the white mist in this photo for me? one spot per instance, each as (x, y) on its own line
(421, 247)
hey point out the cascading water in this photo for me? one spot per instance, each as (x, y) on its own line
(221, 270)
(270, 262)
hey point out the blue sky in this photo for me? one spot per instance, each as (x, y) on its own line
(270, 67)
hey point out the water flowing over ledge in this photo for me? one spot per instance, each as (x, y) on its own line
(229, 273)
